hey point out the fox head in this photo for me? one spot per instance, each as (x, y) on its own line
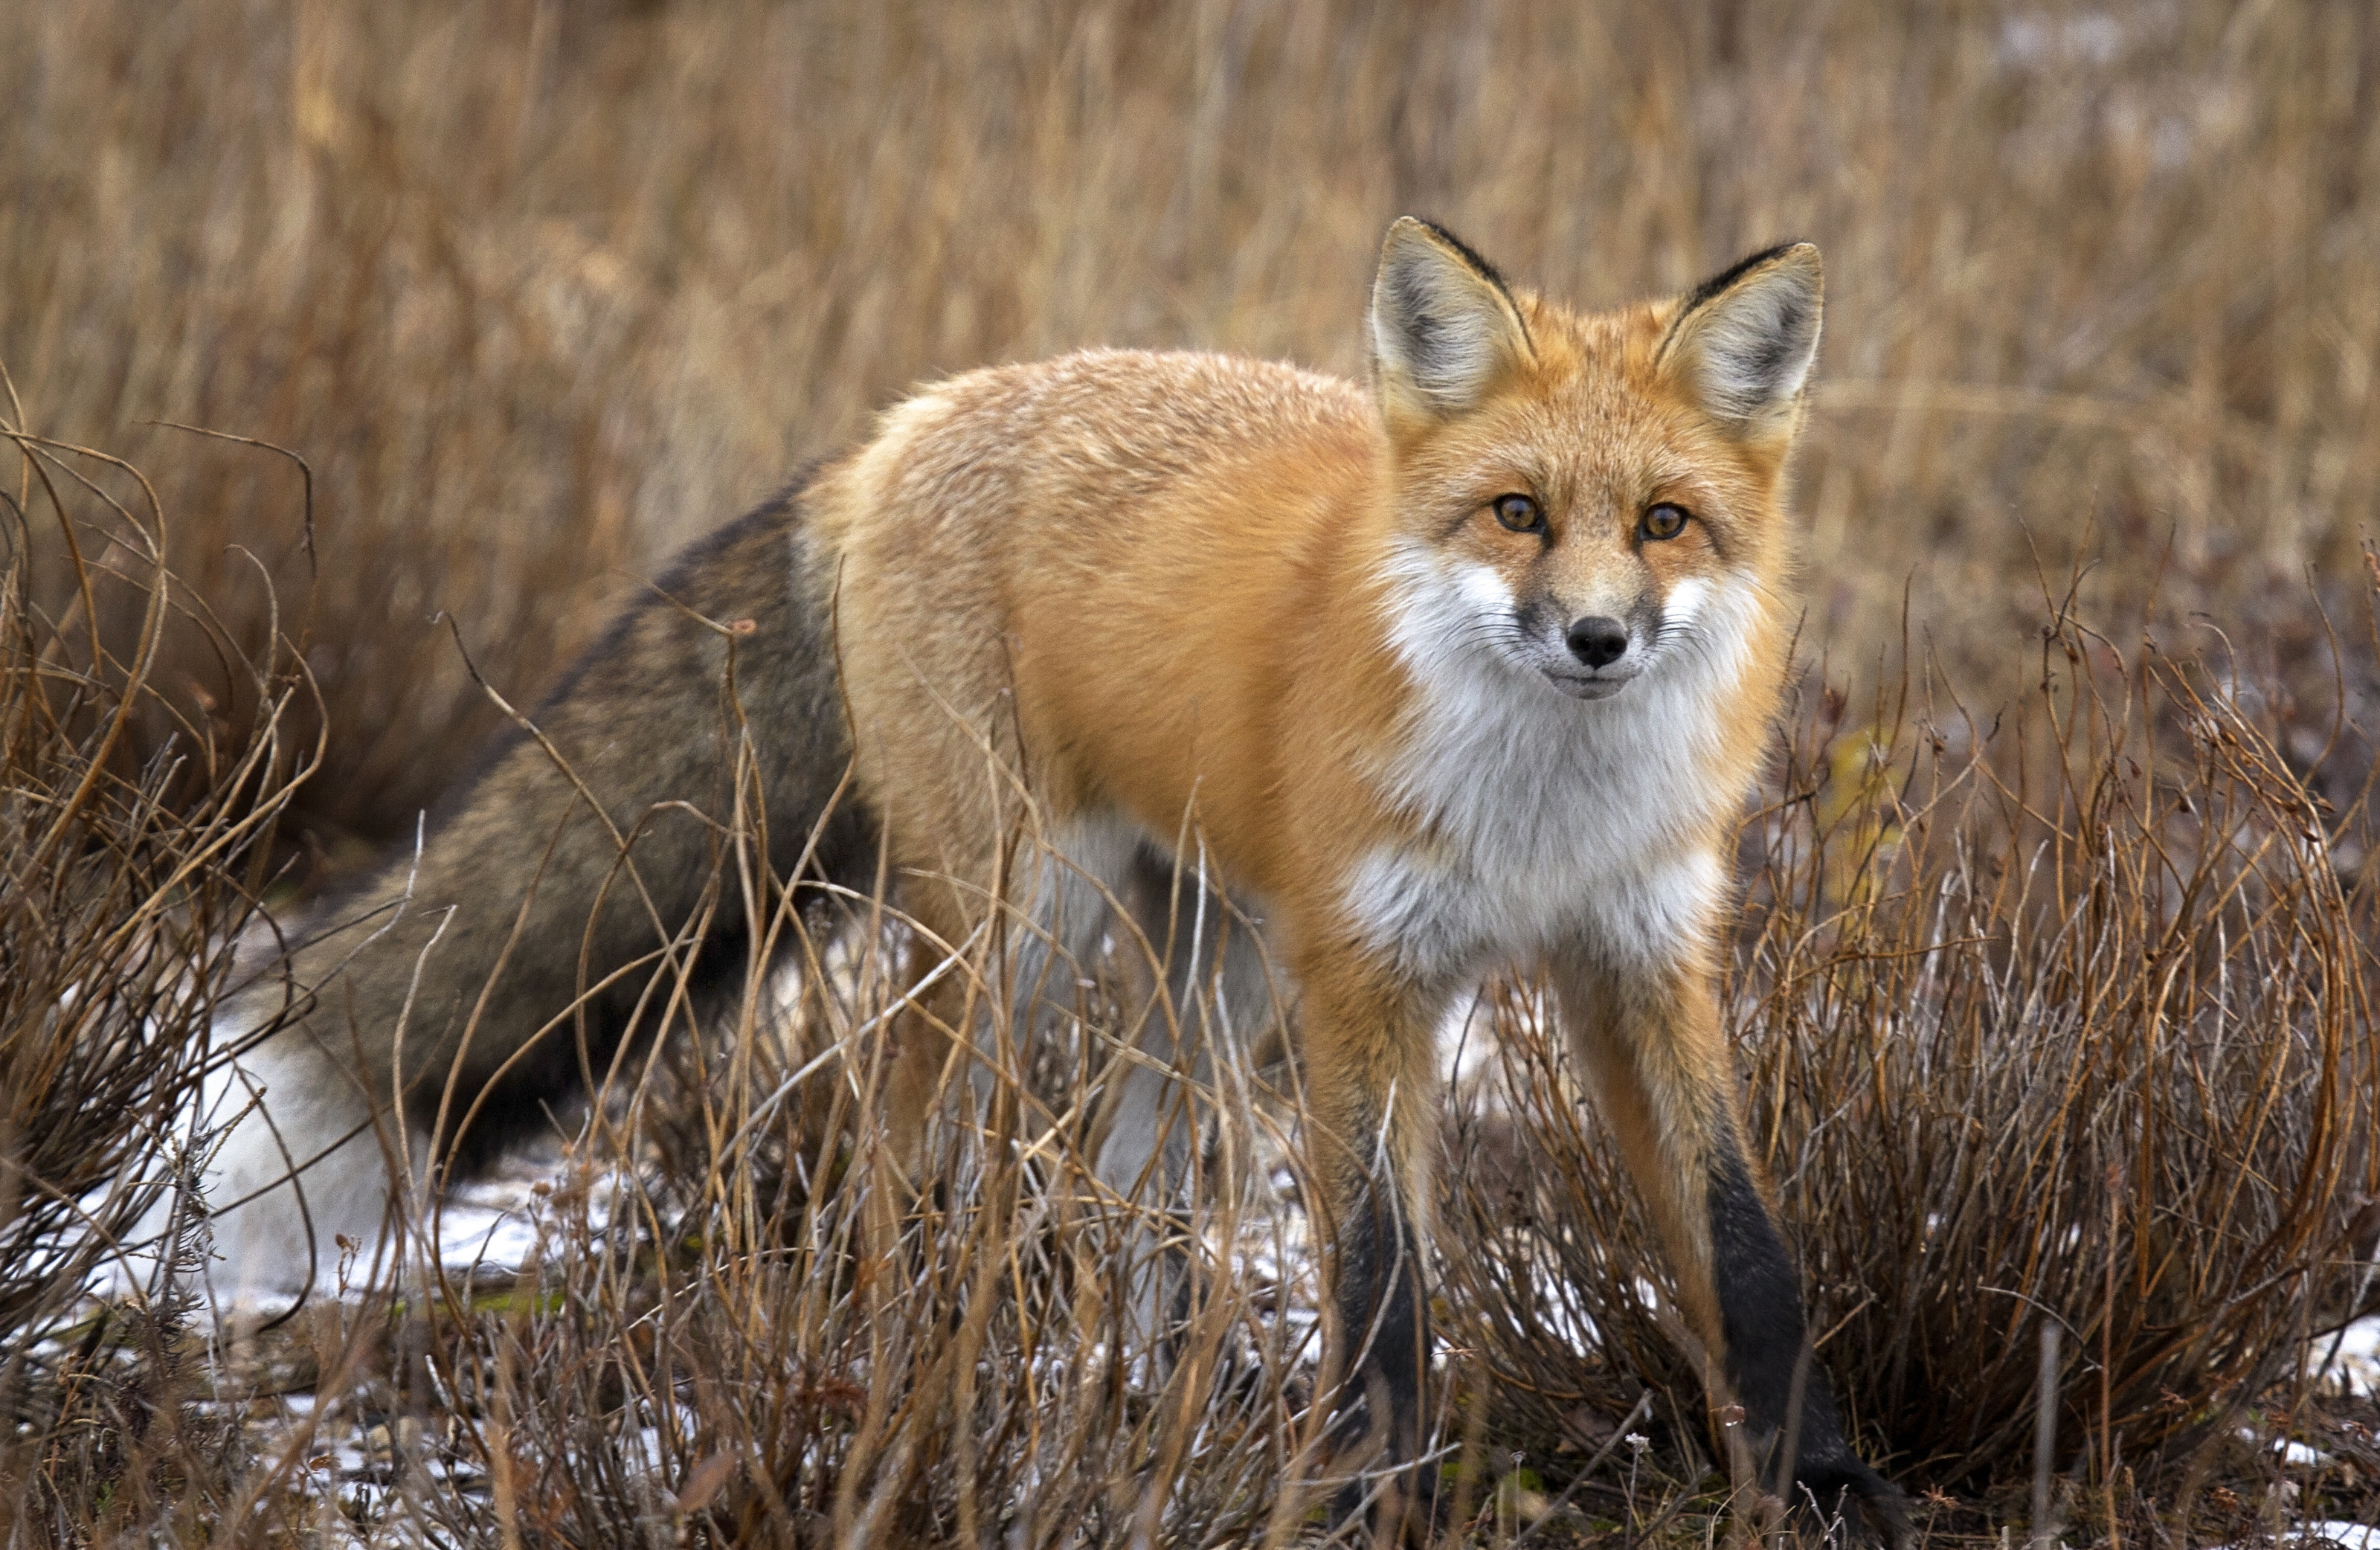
(1586, 498)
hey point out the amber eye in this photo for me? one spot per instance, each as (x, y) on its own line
(1519, 514)
(1665, 521)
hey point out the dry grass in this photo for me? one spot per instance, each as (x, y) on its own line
(2055, 974)
(543, 291)
(2078, 1033)
(131, 861)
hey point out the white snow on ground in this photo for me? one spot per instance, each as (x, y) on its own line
(493, 1224)
(2355, 1364)
(2349, 1359)
(2352, 1536)
(2296, 1453)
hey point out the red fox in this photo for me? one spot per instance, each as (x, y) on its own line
(1467, 672)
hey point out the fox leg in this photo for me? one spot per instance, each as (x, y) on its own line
(1037, 935)
(1648, 1035)
(941, 997)
(1198, 990)
(1371, 1086)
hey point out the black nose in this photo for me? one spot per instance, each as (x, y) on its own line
(1598, 641)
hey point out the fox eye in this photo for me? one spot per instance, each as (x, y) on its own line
(1519, 514)
(1664, 521)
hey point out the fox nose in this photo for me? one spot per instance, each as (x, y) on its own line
(1598, 641)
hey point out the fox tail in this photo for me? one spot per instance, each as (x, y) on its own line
(419, 1019)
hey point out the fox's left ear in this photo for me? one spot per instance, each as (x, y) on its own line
(1742, 343)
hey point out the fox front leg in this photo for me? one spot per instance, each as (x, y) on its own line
(1648, 1036)
(1371, 1090)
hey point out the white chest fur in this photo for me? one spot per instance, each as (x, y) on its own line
(1542, 817)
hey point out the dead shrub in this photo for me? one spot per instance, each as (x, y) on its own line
(137, 836)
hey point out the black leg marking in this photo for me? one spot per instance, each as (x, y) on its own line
(1385, 1323)
(1768, 1359)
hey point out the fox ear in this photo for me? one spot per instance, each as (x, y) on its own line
(1742, 343)
(1444, 328)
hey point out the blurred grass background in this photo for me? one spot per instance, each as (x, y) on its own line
(543, 290)
(2056, 971)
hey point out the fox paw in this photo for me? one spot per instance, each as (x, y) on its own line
(1847, 1489)
(1400, 1510)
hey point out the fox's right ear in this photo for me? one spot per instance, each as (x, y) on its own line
(1444, 328)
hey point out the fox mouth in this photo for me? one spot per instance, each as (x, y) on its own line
(1589, 685)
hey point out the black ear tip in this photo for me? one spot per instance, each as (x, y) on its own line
(1798, 255)
(1408, 232)
(1409, 229)
(1798, 263)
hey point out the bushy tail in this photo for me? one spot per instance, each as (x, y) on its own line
(537, 923)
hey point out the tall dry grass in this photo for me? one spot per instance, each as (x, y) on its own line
(2054, 973)
(543, 290)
